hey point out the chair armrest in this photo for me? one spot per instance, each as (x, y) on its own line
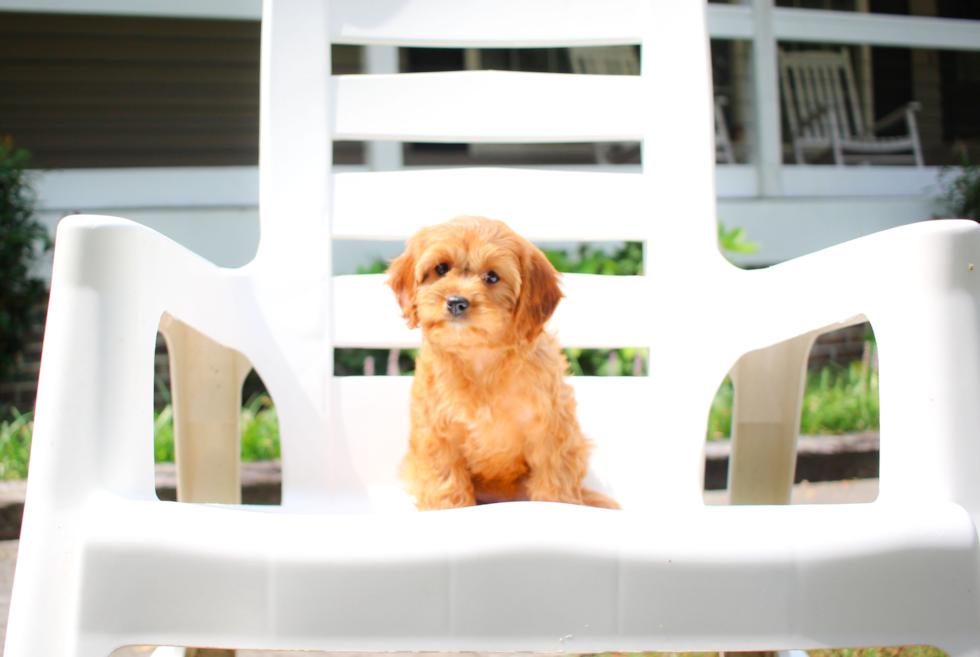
(897, 115)
(111, 283)
(919, 285)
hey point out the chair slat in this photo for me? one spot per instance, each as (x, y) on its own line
(373, 418)
(487, 23)
(856, 114)
(598, 312)
(836, 90)
(479, 106)
(540, 205)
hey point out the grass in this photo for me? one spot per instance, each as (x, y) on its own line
(259, 424)
(15, 443)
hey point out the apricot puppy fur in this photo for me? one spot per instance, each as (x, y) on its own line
(493, 418)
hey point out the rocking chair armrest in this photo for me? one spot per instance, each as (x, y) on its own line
(897, 115)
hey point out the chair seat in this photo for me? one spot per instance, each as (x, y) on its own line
(541, 576)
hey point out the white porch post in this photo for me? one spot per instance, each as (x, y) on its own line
(382, 155)
(765, 71)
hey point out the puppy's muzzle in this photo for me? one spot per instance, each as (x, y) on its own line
(457, 305)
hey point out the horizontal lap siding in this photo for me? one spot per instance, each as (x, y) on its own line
(111, 91)
(105, 91)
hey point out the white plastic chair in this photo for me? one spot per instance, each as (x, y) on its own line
(342, 565)
(606, 60)
(824, 113)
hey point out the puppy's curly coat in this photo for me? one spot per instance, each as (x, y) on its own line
(493, 418)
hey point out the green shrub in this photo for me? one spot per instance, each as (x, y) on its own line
(163, 435)
(627, 260)
(733, 241)
(960, 187)
(840, 400)
(22, 241)
(260, 430)
(350, 362)
(720, 416)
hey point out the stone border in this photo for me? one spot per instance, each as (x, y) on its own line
(818, 458)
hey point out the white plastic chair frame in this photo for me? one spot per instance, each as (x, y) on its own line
(340, 566)
(822, 105)
(605, 60)
(623, 61)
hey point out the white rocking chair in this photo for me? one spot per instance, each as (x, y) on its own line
(345, 563)
(724, 153)
(824, 113)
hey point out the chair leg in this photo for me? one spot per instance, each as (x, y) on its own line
(766, 420)
(206, 381)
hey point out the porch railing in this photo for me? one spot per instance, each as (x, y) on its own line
(760, 22)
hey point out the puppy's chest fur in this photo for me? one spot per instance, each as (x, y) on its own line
(490, 409)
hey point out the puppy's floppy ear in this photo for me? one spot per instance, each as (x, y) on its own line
(401, 279)
(540, 293)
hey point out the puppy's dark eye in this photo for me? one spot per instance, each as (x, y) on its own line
(442, 268)
(491, 277)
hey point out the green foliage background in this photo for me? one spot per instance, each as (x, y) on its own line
(22, 241)
(960, 197)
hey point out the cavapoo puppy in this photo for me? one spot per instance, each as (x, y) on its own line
(493, 418)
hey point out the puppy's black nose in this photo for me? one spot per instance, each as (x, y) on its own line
(456, 305)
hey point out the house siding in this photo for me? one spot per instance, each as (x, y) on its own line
(114, 91)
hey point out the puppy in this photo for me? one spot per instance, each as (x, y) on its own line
(493, 418)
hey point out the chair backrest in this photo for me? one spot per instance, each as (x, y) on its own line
(814, 79)
(347, 434)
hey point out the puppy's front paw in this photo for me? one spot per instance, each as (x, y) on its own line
(446, 496)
